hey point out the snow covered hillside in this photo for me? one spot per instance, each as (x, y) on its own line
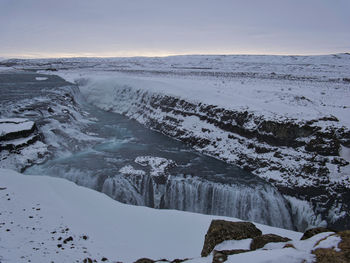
(45, 219)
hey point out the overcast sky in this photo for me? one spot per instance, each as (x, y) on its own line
(51, 28)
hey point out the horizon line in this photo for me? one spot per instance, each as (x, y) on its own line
(87, 55)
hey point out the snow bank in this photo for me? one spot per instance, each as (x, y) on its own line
(299, 250)
(42, 209)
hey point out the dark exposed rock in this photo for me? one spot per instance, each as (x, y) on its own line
(18, 133)
(28, 128)
(330, 118)
(194, 141)
(51, 69)
(221, 230)
(314, 231)
(147, 260)
(179, 260)
(277, 154)
(144, 260)
(339, 161)
(325, 255)
(325, 147)
(288, 246)
(87, 260)
(259, 149)
(68, 239)
(261, 241)
(11, 146)
(285, 133)
(221, 256)
(309, 169)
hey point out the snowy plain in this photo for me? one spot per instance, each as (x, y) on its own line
(274, 99)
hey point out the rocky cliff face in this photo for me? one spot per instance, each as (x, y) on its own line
(18, 137)
(301, 159)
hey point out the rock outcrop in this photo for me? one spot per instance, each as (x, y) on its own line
(16, 133)
(147, 260)
(20, 143)
(326, 247)
(15, 128)
(221, 230)
(144, 260)
(261, 241)
(340, 255)
(221, 256)
(314, 231)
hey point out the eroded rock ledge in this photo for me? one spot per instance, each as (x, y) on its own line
(301, 158)
(20, 137)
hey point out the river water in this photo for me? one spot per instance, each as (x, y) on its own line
(135, 165)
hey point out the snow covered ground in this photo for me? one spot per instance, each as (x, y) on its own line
(323, 67)
(274, 99)
(45, 219)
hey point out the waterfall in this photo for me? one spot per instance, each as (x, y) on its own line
(261, 204)
(258, 203)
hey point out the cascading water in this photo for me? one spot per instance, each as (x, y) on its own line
(261, 204)
(258, 203)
